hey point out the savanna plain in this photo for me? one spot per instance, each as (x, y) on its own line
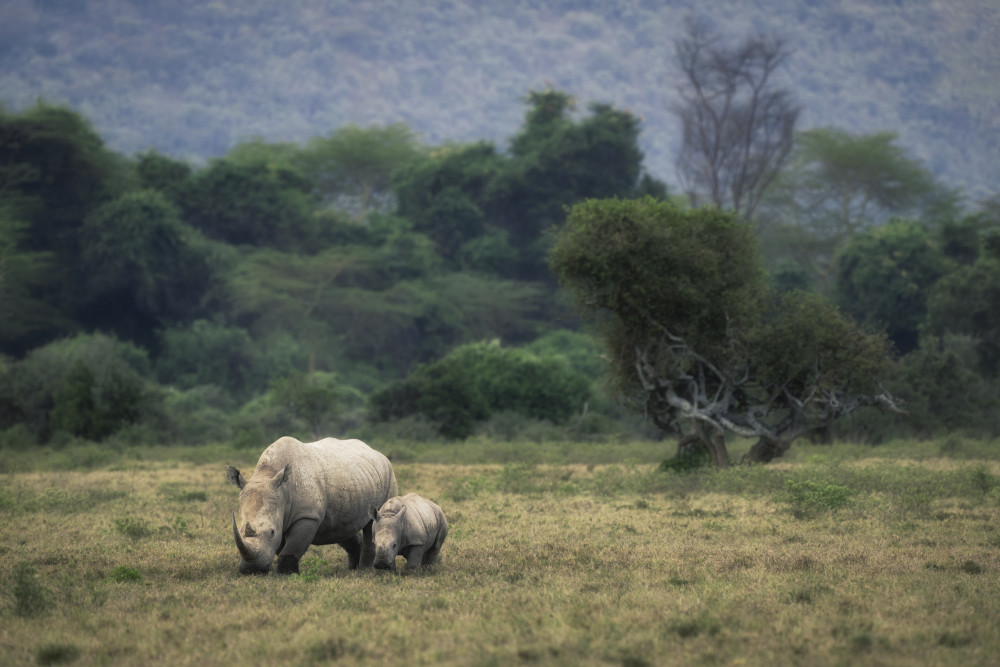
(559, 553)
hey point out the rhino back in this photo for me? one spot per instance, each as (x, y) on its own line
(424, 519)
(335, 481)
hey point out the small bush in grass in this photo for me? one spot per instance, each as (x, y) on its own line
(124, 574)
(971, 567)
(31, 597)
(809, 498)
(689, 461)
(57, 654)
(133, 527)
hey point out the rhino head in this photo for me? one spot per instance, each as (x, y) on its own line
(387, 533)
(262, 512)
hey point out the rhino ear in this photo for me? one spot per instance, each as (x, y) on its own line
(235, 477)
(281, 477)
(401, 512)
(373, 513)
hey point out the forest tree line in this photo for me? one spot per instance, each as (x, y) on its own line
(364, 280)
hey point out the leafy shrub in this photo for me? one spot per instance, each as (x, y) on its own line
(208, 353)
(197, 416)
(124, 574)
(688, 461)
(133, 527)
(31, 597)
(474, 381)
(88, 386)
(55, 654)
(808, 498)
(943, 392)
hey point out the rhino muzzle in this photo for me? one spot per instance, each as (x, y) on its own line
(252, 561)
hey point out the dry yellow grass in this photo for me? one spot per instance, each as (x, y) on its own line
(549, 564)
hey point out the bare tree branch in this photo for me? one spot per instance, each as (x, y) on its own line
(682, 386)
(737, 126)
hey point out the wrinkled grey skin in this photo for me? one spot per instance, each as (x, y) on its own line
(409, 526)
(304, 493)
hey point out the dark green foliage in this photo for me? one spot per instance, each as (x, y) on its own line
(352, 169)
(808, 497)
(477, 380)
(558, 162)
(967, 301)
(24, 276)
(54, 170)
(208, 353)
(838, 185)
(144, 267)
(651, 265)
(124, 574)
(31, 597)
(133, 527)
(687, 461)
(57, 654)
(88, 386)
(695, 338)
(163, 174)
(943, 393)
(806, 345)
(316, 399)
(251, 204)
(58, 169)
(445, 194)
(883, 277)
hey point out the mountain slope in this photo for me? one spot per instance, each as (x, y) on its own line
(192, 78)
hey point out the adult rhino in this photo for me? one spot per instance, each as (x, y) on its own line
(304, 493)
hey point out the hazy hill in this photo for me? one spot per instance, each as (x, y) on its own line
(191, 77)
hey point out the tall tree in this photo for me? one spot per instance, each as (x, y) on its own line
(22, 272)
(838, 184)
(556, 161)
(967, 301)
(251, 203)
(737, 122)
(144, 268)
(883, 277)
(695, 339)
(54, 170)
(445, 193)
(352, 168)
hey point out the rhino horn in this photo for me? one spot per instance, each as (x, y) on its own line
(240, 545)
(249, 531)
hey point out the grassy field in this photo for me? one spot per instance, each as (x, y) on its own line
(840, 554)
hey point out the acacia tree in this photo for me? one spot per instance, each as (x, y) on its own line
(837, 185)
(352, 169)
(695, 339)
(737, 124)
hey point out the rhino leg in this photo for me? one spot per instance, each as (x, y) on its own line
(296, 540)
(353, 547)
(414, 557)
(432, 552)
(287, 564)
(367, 546)
(431, 555)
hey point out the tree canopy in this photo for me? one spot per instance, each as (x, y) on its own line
(694, 336)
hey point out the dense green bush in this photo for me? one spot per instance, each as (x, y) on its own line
(943, 393)
(88, 386)
(210, 353)
(475, 381)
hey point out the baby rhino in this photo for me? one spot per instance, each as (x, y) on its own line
(410, 526)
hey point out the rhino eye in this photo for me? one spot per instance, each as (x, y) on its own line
(272, 532)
